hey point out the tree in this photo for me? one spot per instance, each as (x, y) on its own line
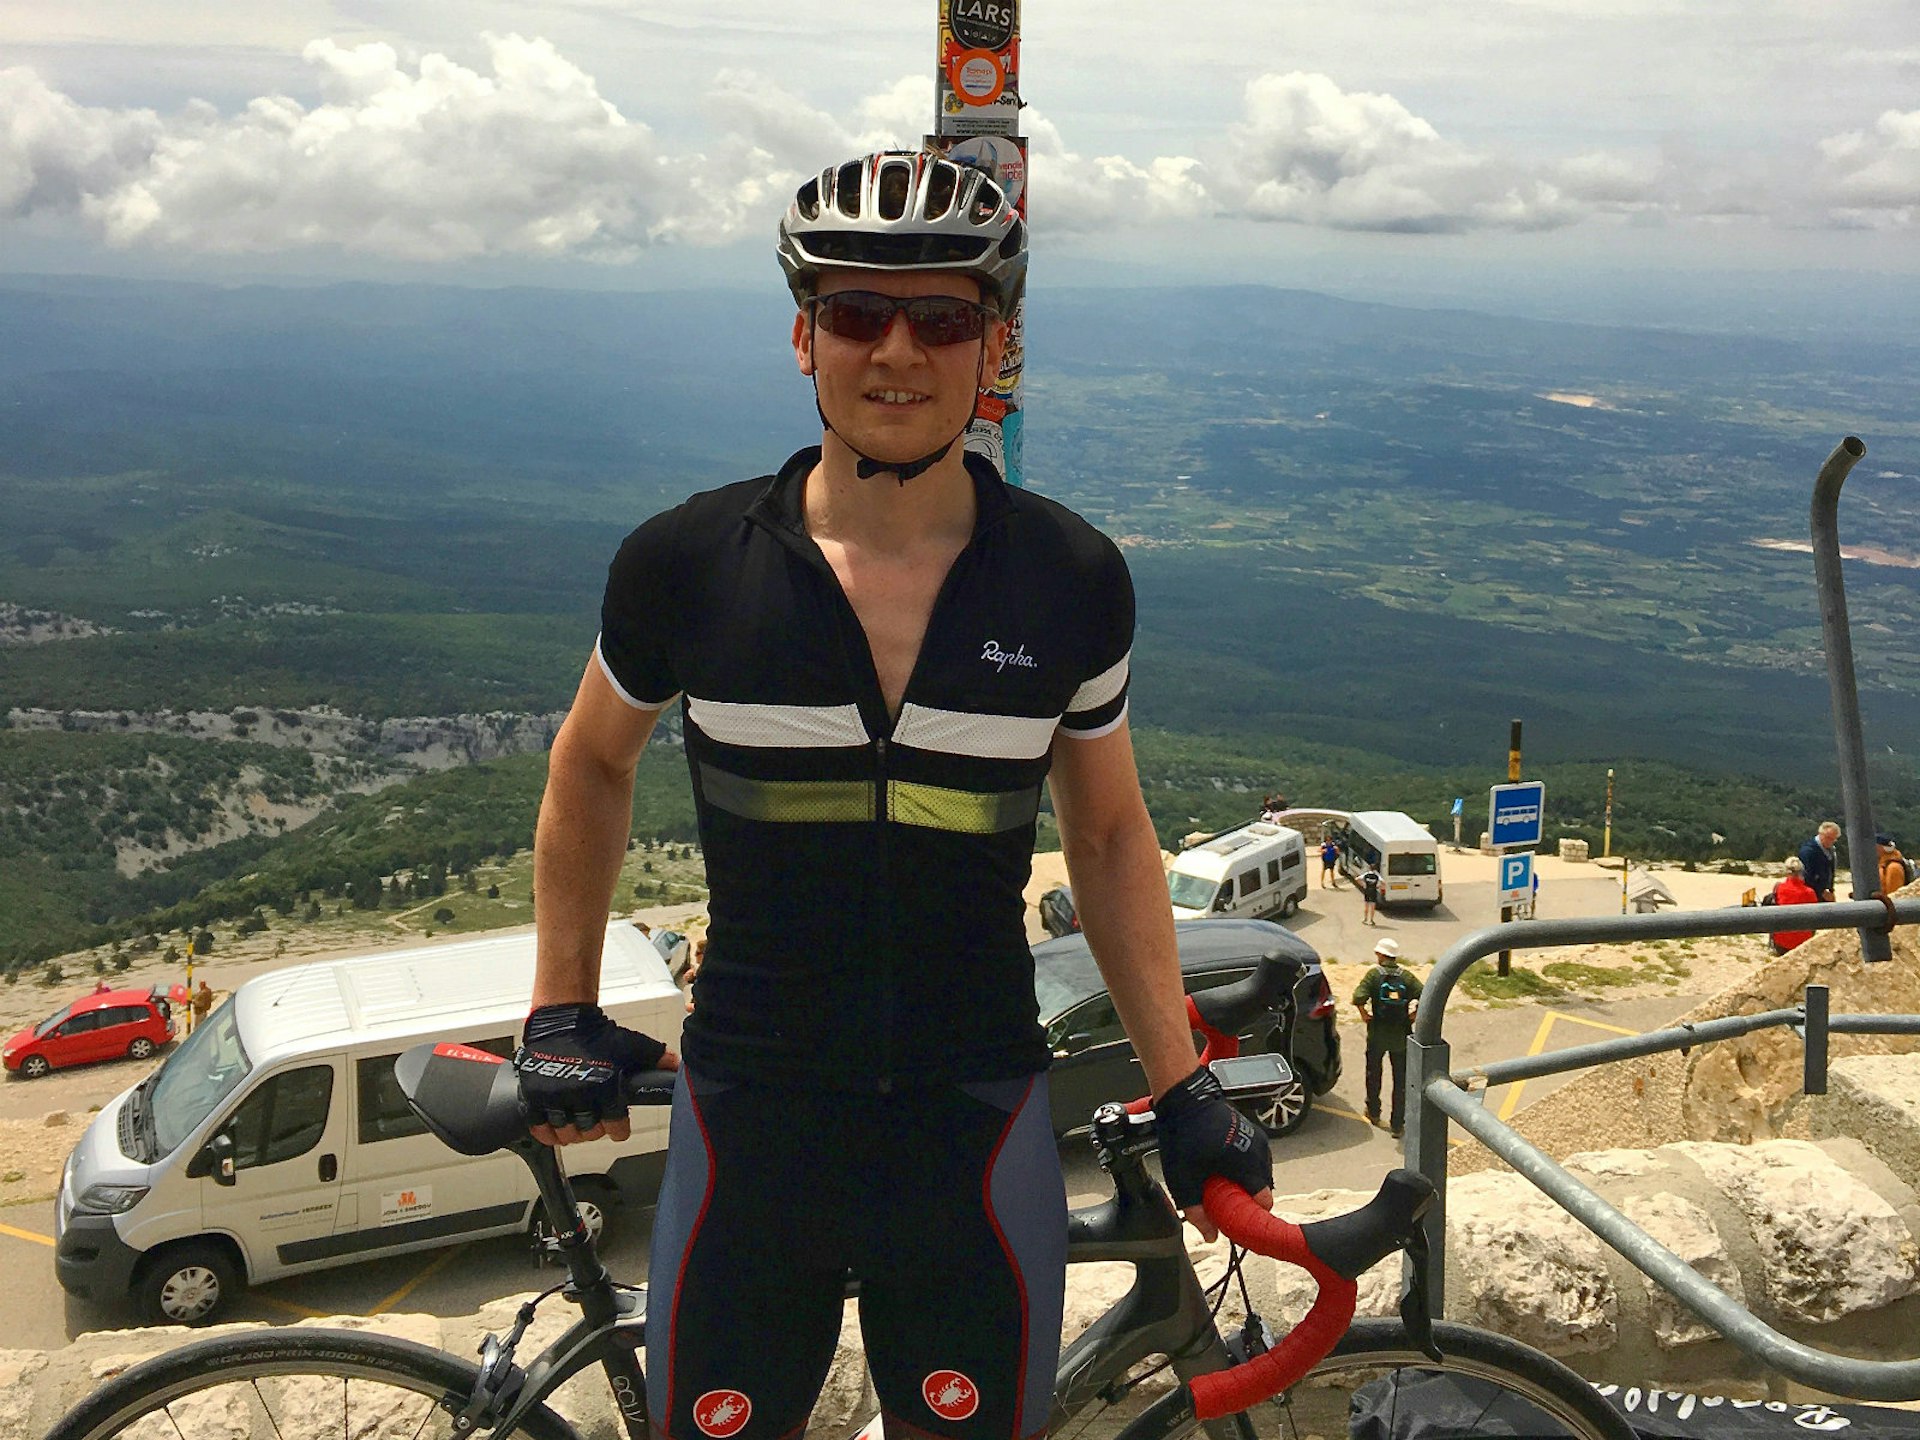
(443, 914)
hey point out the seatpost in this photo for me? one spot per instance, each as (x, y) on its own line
(588, 1280)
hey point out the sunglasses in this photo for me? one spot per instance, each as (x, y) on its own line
(864, 316)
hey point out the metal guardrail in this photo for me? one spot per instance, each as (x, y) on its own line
(1438, 1095)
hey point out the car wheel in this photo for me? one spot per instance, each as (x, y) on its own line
(1287, 1111)
(1290, 907)
(33, 1067)
(141, 1048)
(188, 1285)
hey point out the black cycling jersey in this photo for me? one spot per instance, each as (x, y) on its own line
(866, 874)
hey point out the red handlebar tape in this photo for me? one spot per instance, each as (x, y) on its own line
(1226, 1392)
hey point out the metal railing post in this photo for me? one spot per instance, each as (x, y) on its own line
(1863, 855)
(1425, 1149)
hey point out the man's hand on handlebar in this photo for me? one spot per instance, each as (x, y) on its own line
(570, 1063)
(1202, 1135)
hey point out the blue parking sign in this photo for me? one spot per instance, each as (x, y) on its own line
(1516, 878)
(1516, 814)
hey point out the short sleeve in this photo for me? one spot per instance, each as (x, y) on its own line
(636, 616)
(1100, 703)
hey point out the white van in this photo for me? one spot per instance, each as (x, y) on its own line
(1399, 847)
(1254, 872)
(293, 1078)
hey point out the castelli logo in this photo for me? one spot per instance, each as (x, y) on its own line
(721, 1413)
(950, 1395)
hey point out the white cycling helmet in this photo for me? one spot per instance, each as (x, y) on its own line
(905, 210)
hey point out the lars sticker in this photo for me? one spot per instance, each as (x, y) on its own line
(950, 1395)
(982, 24)
(722, 1413)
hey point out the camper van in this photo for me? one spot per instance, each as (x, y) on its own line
(1258, 871)
(1399, 847)
(275, 1140)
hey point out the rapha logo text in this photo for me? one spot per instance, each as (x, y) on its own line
(1000, 659)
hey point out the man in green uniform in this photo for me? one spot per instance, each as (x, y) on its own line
(1387, 997)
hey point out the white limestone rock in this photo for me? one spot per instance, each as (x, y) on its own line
(1615, 1164)
(17, 1371)
(1688, 1231)
(1520, 1265)
(847, 1400)
(1831, 1245)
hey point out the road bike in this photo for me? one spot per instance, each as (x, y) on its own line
(1329, 1376)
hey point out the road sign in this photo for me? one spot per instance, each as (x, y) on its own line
(1516, 878)
(1516, 814)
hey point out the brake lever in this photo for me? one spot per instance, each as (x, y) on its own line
(1416, 1311)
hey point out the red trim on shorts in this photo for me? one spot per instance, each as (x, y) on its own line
(1019, 1279)
(680, 1280)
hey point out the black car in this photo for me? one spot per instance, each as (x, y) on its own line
(1057, 914)
(1093, 1062)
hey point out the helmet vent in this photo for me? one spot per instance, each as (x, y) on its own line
(895, 181)
(808, 199)
(941, 186)
(1015, 241)
(846, 189)
(987, 201)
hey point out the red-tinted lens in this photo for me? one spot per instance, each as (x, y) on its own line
(863, 316)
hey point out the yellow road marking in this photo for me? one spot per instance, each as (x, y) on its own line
(26, 1235)
(407, 1289)
(1350, 1115)
(1512, 1101)
(302, 1311)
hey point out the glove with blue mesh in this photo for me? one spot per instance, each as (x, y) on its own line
(570, 1062)
(1202, 1134)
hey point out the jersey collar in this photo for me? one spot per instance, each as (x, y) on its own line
(779, 506)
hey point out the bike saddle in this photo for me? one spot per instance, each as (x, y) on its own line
(469, 1098)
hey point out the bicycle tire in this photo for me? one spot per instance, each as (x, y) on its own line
(385, 1388)
(1538, 1397)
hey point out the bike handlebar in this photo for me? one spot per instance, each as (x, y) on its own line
(1334, 1252)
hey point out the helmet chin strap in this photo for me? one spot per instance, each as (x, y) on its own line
(903, 471)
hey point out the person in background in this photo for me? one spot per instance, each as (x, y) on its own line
(1817, 859)
(1792, 890)
(1329, 863)
(102, 987)
(1387, 998)
(1369, 896)
(1893, 865)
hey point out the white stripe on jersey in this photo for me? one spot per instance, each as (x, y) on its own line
(635, 701)
(985, 737)
(768, 727)
(1102, 687)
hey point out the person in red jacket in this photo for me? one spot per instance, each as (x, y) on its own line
(1793, 890)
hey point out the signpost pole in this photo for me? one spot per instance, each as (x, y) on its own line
(1513, 778)
(1606, 834)
(976, 121)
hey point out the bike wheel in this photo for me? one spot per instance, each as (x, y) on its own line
(279, 1384)
(1376, 1386)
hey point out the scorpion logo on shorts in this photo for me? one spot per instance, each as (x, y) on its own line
(722, 1413)
(950, 1395)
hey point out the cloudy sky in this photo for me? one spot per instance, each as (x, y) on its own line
(644, 144)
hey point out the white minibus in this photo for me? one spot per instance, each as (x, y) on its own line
(1399, 847)
(275, 1140)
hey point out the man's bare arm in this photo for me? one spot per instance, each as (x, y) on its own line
(585, 817)
(1120, 890)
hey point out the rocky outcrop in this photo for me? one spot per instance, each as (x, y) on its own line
(426, 742)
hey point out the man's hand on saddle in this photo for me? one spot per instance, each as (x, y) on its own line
(1202, 1134)
(570, 1065)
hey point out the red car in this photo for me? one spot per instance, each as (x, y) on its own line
(102, 1026)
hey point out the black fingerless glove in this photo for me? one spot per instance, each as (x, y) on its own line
(1201, 1134)
(571, 1061)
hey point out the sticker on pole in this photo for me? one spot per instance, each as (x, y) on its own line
(1516, 878)
(1516, 814)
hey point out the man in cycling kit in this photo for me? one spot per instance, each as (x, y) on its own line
(882, 653)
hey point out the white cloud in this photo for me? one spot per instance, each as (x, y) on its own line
(522, 155)
(1311, 153)
(1873, 177)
